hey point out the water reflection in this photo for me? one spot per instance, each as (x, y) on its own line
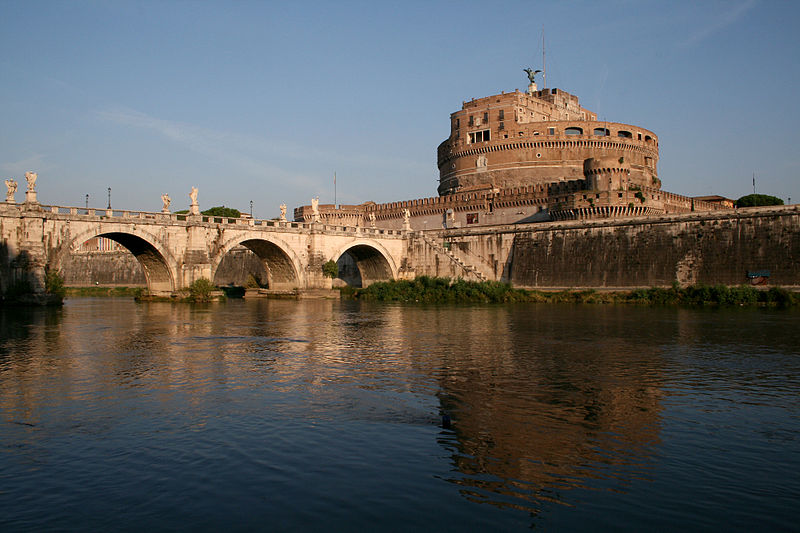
(334, 407)
(542, 398)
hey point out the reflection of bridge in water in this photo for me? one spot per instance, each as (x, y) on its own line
(176, 249)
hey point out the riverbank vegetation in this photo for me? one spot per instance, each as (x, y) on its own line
(443, 290)
(77, 292)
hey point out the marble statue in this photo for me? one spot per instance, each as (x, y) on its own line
(372, 219)
(12, 189)
(406, 220)
(30, 177)
(166, 200)
(315, 208)
(283, 212)
(30, 194)
(194, 209)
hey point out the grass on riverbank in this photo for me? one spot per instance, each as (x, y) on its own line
(443, 290)
(104, 291)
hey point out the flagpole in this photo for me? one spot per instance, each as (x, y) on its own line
(335, 203)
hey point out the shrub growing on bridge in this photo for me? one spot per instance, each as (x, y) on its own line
(330, 269)
(54, 284)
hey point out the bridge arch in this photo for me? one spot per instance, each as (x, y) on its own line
(280, 262)
(373, 261)
(159, 266)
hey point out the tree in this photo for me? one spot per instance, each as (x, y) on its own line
(753, 200)
(222, 211)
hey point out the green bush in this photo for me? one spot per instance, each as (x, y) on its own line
(330, 269)
(54, 284)
(200, 290)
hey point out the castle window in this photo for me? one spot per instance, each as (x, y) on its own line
(479, 136)
(472, 123)
(458, 123)
(551, 131)
(501, 115)
(640, 137)
(573, 130)
(624, 134)
(486, 117)
(502, 126)
(601, 131)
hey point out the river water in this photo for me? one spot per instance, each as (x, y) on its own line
(327, 415)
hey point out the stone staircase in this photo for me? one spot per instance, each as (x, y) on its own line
(469, 270)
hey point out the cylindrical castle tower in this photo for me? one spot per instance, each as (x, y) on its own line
(607, 174)
(543, 136)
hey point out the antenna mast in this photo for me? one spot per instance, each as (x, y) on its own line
(544, 65)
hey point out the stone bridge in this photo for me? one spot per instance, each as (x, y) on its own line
(174, 249)
(717, 247)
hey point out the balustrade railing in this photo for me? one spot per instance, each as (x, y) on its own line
(161, 217)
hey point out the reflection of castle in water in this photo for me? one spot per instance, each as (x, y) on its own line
(539, 408)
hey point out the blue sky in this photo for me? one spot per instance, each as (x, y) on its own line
(265, 101)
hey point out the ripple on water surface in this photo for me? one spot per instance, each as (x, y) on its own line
(298, 415)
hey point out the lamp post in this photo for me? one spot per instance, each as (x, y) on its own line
(251, 208)
(109, 198)
(87, 201)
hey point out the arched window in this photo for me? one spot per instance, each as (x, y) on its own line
(601, 131)
(625, 134)
(573, 131)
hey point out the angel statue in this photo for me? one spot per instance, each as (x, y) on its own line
(193, 195)
(166, 200)
(283, 212)
(30, 177)
(12, 189)
(531, 74)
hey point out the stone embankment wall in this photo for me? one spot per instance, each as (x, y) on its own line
(110, 269)
(709, 248)
(237, 266)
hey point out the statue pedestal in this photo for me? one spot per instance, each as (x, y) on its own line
(30, 197)
(194, 209)
(165, 210)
